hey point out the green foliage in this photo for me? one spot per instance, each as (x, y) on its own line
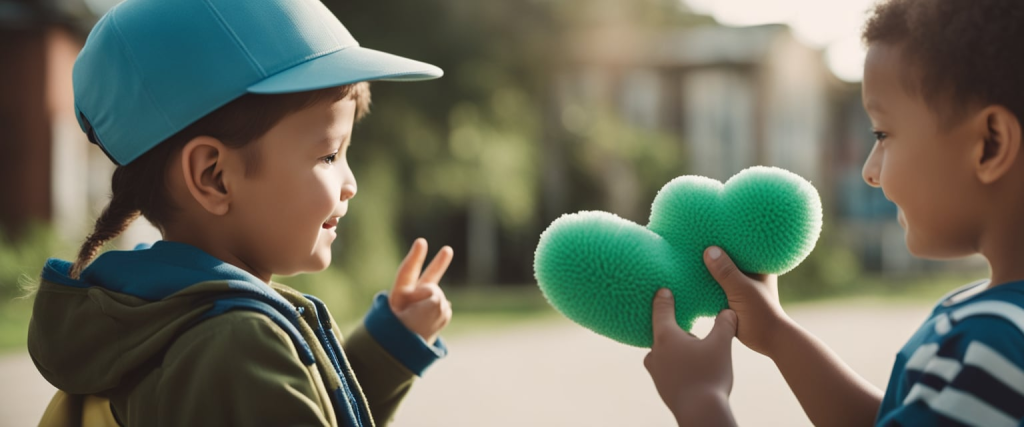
(600, 140)
(832, 269)
(14, 319)
(491, 153)
(22, 259)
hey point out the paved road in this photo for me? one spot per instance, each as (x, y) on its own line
(563, 375)
(558, 374)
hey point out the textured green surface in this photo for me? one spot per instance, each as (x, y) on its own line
(602, 271)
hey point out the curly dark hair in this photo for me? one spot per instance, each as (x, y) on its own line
(965, 53)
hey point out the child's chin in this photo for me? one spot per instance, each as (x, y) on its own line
(320, 262)
(316, 263)
(933, 250)
(916, 248)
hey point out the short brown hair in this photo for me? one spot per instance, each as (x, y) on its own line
(966, 52)
(138, 188)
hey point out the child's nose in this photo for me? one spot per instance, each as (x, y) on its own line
(348, 191)
(873, 168)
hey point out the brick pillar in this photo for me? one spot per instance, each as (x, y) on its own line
(24, 130)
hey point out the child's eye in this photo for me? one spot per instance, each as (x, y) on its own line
(330, 159)
(880, 136)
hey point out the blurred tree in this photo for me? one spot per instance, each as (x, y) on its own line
(460, 160)
(629, 163)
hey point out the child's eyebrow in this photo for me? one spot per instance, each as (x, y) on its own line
(874, 106)
(329, 140)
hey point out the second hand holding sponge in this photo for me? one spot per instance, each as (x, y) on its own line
(602, 271)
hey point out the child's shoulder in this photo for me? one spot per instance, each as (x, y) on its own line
(232, 331)
(986, 320)
(965, 364)
(978, 301)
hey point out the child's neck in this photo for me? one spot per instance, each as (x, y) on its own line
(217, 251)
(1003, 247)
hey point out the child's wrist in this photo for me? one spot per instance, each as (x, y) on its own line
(784, 329)
(703, 407)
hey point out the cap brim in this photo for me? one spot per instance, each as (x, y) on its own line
(349, 65)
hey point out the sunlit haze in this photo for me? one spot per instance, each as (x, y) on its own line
(834, 25)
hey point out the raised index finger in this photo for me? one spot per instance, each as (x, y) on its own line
(409, 270)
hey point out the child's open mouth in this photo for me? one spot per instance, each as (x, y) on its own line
(331, 223)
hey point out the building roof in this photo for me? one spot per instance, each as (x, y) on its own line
(704, 45)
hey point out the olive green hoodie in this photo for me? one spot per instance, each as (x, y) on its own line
(173, 336)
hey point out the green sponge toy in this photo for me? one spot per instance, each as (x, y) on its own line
(602, 271)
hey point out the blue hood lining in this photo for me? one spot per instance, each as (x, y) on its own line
(153, 273)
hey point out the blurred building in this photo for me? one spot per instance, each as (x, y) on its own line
(735, 96)
(50, 171)
(738, 97)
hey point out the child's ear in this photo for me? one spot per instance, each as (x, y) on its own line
(202, 165)
(997, 153)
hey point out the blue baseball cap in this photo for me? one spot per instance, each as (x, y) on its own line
(150, 68)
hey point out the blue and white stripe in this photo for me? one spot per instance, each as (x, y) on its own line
(963, 373)
(986, 389)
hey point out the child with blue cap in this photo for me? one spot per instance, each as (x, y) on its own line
(229, 121)
(944, 88)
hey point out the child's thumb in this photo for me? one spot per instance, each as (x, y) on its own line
(723, 269)
(725, 326)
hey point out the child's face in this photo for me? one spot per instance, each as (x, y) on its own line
(286, 213)
(922, 166)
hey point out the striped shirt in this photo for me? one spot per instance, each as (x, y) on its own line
(964, 366)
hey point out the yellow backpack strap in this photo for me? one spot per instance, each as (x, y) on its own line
(66, 410)
(96, 412)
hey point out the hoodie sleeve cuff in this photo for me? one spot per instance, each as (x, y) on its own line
(404, 345)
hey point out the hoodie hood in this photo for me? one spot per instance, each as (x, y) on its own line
(90, 335)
